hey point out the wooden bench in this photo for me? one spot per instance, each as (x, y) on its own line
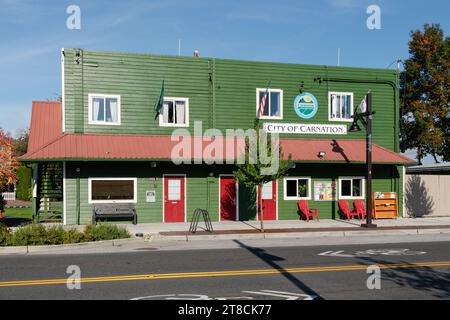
(114, 211)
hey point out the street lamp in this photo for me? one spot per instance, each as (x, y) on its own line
(365, 116)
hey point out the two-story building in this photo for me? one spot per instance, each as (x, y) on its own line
(113, 149)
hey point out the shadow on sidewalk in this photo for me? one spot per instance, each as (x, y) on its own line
(15, 222)
(271, 260)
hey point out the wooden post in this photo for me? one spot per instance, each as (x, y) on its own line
(34, 199)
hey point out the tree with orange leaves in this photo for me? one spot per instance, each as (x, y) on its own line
(8, 161)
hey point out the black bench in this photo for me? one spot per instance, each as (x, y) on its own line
(114, 211)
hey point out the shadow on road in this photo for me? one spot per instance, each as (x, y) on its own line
(271, 260)
(424, 279)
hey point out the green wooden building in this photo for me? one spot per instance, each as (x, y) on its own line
(114, 150)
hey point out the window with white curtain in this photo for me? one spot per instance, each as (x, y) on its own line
(104, 109)
(174, 113)
(340, 106)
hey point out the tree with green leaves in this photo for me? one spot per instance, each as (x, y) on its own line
(21, 141)
(263, 163)
(425, 87)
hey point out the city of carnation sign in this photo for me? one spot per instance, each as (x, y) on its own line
(299, 128)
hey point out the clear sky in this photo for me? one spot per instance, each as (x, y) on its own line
(33, 32)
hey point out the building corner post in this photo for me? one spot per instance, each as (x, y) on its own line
(34, 198)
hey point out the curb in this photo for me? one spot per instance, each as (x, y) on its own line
(346, 234)
(38, 249)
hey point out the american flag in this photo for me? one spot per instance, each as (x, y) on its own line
(262, 105)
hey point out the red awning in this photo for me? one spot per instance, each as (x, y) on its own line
(48, 143)
(70, 147)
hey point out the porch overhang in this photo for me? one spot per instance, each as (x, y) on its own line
(109, 147)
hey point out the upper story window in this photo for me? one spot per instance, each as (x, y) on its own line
(340, 106)
(174, 113)
(351, 188)
(104, 109)
(270, 107)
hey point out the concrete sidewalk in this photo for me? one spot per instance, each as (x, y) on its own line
(289, 229)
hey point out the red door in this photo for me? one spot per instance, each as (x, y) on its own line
(174, 199)
(269, 201)
(228, 203)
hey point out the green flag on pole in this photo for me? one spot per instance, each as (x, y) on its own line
(159, 103)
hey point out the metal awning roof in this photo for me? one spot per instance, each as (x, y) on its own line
(48, 143)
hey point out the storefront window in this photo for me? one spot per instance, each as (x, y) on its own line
(111, 190)
(297, 188)
(351, 188)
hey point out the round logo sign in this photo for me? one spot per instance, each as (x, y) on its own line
(306, 105)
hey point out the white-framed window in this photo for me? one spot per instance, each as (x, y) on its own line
(174, 113)
(340, 106)
(112, 190)
(273, 106)
(104, 109)
(351, 188)
(297, 188)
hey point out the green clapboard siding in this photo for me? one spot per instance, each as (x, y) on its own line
(222, 93)
(198, 181)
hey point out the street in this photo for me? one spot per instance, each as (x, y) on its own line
(408, 271)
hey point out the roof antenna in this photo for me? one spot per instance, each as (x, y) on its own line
(179, 47)
(339, 57)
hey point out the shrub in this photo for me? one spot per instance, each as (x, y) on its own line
(23, 185)
(33, 235)
(105, 232)
(5, 235)
(55, 235)
(38, 235)
(73, 236)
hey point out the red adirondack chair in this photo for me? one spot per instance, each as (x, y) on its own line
(346, 211)
(361, 209)
(303, 208)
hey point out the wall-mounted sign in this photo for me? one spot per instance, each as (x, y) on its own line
(298, 128)
(150, 196)
(306, 105)
(324, 191)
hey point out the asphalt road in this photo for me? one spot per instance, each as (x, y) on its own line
(411, 271)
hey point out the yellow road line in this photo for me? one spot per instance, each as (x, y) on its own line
(187, 275)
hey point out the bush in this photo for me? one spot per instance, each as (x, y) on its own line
(73, 236)
(33, 235)
(5, 235)
(105, 232)
(39, 235)
(23, 186)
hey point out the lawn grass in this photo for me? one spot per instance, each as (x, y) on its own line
(18, 213)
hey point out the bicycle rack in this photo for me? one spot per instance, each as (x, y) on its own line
(196, 219)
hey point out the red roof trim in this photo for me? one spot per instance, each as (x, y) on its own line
(145, 147)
